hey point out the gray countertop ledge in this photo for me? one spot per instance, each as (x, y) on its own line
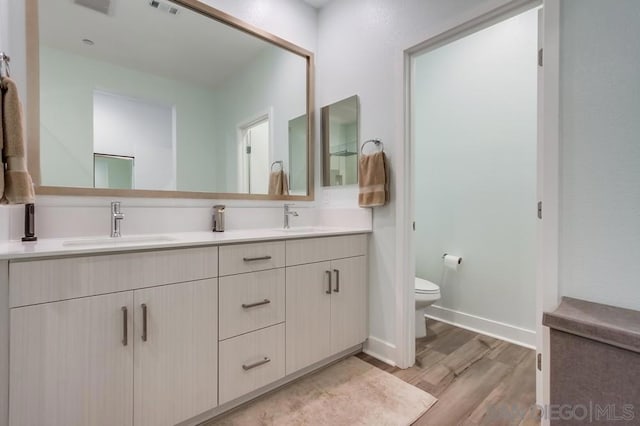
(612, 325)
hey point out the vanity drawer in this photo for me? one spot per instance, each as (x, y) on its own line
(240, 258)
(251, 361)
(251, 301)
(320, 249)
(49, 280)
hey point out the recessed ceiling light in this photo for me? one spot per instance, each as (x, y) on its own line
(88, 42)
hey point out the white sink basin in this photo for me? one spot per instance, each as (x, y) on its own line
(106, 241)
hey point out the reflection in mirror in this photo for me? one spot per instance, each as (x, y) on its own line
(297, 154)
(340, 142)
(202, 106)
(114, 172)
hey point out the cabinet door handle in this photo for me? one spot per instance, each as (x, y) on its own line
(246, 367)
(144, 322)
(329, 275)
(125, 326)
(253, 259)
(337, 289)
(253, 305)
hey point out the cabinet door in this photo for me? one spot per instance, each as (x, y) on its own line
(69, 362)
(348, 303)
(176, 359)
(308, 311)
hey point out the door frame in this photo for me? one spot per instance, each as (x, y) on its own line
(241, 131)
(547, 180)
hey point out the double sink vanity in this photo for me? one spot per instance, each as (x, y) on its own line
(172, 328)
(177, 328)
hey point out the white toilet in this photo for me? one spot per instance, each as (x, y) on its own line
(426, 294)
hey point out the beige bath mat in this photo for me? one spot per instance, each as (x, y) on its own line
(351, 392)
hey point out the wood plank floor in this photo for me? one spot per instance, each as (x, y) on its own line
(478, 380)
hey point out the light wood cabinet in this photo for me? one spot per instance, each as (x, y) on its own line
(75, 362)
(71, 364)
(176, 356)
(51, 280)
(326, 310)
(308, 319)
(251, 301)
(349, 310)
(250, 361)
(242, 258)
(155, 338)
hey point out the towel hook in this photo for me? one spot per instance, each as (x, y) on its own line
(378, 143)
(4, 61)
(278, 162)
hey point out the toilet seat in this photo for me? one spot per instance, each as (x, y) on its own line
(426, 287)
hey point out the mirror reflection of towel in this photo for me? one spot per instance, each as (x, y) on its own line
(373, 180)
(16, 186)
(278, 183)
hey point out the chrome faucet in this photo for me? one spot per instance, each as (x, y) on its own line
(116, 217)
(288, 212)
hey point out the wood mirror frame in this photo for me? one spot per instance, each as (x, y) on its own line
(33, 113)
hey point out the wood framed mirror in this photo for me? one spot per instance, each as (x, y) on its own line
(176, 84)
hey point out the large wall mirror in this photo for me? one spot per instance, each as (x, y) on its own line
(340, 142)
(183, 99)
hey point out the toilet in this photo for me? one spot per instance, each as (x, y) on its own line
(426, 294)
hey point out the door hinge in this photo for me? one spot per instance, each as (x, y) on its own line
(540, 56)
(539, 362)
(248, 149)
(539, 209)
(414, 226)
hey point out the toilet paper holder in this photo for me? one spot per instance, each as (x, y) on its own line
(459, 259)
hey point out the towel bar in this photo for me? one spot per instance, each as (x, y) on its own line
(278, 162)
(377, 142)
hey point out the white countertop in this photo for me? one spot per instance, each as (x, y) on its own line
(103, 244)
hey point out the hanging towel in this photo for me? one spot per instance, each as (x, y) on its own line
(373, 180)
(17, 187)
(278, 183)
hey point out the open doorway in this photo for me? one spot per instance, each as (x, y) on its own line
(254, 148)
(472, 176)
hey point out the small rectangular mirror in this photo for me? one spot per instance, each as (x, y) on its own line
(340, 136)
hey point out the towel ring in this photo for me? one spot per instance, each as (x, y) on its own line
(278, 162)
(378, 143)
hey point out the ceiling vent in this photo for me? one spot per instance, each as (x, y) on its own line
(101, 6)
(165, 7)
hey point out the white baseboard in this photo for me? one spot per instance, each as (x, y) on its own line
(379, 349)
(519, 336)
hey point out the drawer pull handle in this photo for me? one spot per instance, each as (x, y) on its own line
(125, 326)
(256, 364)
(337, 289)
(253, 259)
(329, 275)
(144, 322)
(253, 305)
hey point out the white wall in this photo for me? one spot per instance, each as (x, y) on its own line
(475, 118)
(291, 20)
(244, 98)
(600, 151)
(4, 28)
(148, 138)
(66, 117)
(360, 51)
